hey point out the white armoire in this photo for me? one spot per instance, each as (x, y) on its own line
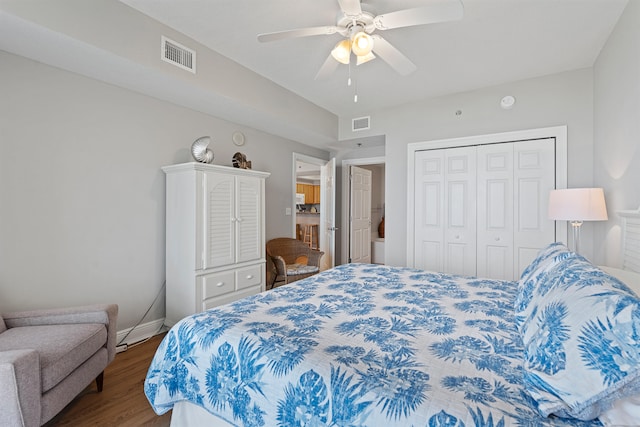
(482, 210)
(215, 242)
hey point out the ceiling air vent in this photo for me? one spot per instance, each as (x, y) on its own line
(178, 55)
(361, 123)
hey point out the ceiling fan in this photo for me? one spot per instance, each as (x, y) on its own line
(357, 27)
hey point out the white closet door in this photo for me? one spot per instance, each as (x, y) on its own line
(460, 211)
(495, 211)
(534, 177)
(445, 216)
(429, 210)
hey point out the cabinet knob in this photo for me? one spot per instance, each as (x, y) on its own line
(219, 284)
(249, 276)
(239, 219)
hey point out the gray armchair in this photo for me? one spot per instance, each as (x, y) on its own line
(47, 357)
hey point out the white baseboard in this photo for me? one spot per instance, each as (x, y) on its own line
(140, 332)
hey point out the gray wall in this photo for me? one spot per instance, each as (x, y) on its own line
(617, 128)
(82, 193)
(560, 99)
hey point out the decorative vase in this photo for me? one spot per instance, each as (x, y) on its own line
(381, 229)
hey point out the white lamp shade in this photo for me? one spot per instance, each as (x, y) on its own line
(342, 51)
(577, 204)
(362, 44)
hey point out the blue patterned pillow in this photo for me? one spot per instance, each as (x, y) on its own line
(533, 283)
(581, 341)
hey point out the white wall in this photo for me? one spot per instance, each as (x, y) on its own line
(617, 128)
(560, 99)
(82, 193)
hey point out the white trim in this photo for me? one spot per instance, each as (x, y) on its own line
(344, 233)
(557, 132)
(140, 332)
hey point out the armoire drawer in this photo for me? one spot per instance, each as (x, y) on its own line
(216, 284)
(249, 276)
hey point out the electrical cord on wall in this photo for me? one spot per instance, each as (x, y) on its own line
(164, 284)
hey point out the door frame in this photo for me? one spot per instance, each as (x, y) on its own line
(314, 161)
(557, 132)
(346, 232)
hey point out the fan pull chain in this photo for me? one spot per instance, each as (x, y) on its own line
(355, 85)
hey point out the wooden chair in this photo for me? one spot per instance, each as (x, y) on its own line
(291, 260)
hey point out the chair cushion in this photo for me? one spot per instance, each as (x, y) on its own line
(297, 269)
(62, 348)
(3, 327)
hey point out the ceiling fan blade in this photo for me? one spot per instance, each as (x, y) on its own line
(438, 11)
(300, 32)
(350, 7)
(392, 56)
(329, 66)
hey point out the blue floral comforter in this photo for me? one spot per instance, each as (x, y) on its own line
(357, 345)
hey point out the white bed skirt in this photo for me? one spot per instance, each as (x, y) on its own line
(186, 414)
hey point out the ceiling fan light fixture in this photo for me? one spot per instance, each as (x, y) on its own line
(365, 58)
(362, 44)
(342, 51)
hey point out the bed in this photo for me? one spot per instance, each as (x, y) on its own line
(372, 345)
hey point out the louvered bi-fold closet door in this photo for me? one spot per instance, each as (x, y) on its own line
(445, 210)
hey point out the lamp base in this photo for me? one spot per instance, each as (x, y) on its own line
(575, 225)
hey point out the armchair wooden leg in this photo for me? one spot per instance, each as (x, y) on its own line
(100, 381)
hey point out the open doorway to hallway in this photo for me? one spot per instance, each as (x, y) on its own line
(357, 246)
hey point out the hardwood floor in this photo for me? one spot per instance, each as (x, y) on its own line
(122, 401)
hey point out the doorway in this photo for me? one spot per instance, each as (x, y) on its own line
(354, 243)
(314, 205)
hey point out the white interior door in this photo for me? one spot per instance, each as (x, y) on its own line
(328, 214)
(534, 178)
(429, 210)
(460, 211)
(495, 211)
(360, 215)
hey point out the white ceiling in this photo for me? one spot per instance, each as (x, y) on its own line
(497, 41)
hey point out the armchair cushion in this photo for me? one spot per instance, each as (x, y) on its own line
(47, 357)
(295, 269)
(62, 348)
(3, 327)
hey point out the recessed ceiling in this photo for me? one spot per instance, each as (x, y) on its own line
(497, 41)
